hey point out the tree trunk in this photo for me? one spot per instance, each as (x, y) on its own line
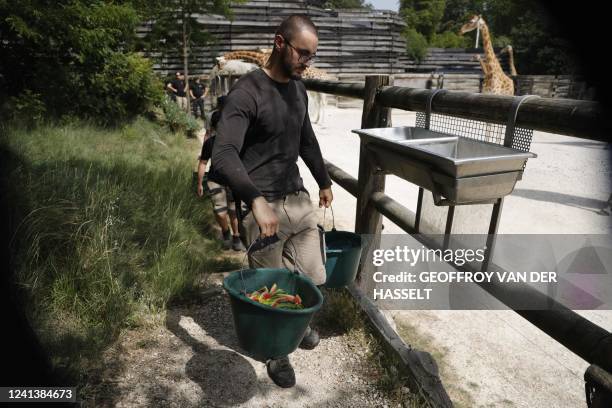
(186, 62)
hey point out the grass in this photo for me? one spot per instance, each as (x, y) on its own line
(340, 314)
(106, 231)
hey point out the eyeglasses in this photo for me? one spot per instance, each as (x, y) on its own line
(303, 55)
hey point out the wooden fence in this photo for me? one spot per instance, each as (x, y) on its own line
(350, 40)
(547, 86)
(570, 117)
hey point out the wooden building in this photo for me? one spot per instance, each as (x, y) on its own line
(352, 41)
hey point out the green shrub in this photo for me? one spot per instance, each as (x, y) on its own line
(28, 109)
(80, 57)
(124, 88)
(177, 120)
(501, 41)
(193, 126)
(449, 39)
(416, 44)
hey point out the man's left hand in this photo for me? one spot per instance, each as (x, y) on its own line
(325, 197)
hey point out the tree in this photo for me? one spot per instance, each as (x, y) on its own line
(69, 54)
(540, 48)
(174, 25)
(457, 12)
(416, 44)
(424, 16)
(346, 4)
(527, 25)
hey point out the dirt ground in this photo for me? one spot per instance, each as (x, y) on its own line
(495, 358)
(192, 359)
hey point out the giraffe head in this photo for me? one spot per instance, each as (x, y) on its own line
(221, 61)
(475, 22)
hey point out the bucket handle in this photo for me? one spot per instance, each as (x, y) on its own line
(242, 265)
(333, 217)
(258, 241)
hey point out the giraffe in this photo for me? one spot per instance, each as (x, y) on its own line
(510, 51)
(317, 100)
(259, 57)
(225, 73)
(495, 80)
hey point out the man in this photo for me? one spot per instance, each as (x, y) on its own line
(198, 93)
(177, 87)
(264, 127)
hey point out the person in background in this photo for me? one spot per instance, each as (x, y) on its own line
(177, 87)
(170, 90)
(198, 94)
(221, 196)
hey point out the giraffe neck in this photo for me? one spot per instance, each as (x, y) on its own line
(511, 62)
(487, 44)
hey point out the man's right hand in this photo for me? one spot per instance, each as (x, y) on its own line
(200, 190)
(265, 217)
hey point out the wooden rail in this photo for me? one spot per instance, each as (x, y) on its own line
(569, 117)
(584, 119)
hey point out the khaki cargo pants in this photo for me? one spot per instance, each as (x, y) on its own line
(299, 243)
(221, 197)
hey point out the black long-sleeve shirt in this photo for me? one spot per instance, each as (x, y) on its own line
(264, 126)
(206, 154)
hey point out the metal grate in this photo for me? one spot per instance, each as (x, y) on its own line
(475, 129)
(521, 140)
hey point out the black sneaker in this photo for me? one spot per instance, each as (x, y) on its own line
(226, 237)
(237, 244)
(311, 339)
(281, 372)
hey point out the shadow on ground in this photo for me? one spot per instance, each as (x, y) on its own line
(219, 365)
(224, 375)
(585, 203)
(595, 145)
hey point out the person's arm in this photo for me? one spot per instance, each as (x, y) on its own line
(170, 87)
(310, 152)
(205, 92)
(201, 172)
(205, 155)
(236, 118)
(191, 94)
(231, 131)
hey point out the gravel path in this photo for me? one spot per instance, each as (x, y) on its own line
(193, 360)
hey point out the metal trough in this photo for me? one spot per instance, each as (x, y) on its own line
(460, 169)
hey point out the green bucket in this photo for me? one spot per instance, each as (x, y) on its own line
(343, 252)
(265, 331)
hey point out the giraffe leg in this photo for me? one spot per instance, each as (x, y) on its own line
(314, 106)
(322, 107)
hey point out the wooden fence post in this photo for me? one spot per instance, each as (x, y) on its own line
(367, 219)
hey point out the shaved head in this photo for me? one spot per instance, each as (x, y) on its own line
(294, 24)
(295, 47)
